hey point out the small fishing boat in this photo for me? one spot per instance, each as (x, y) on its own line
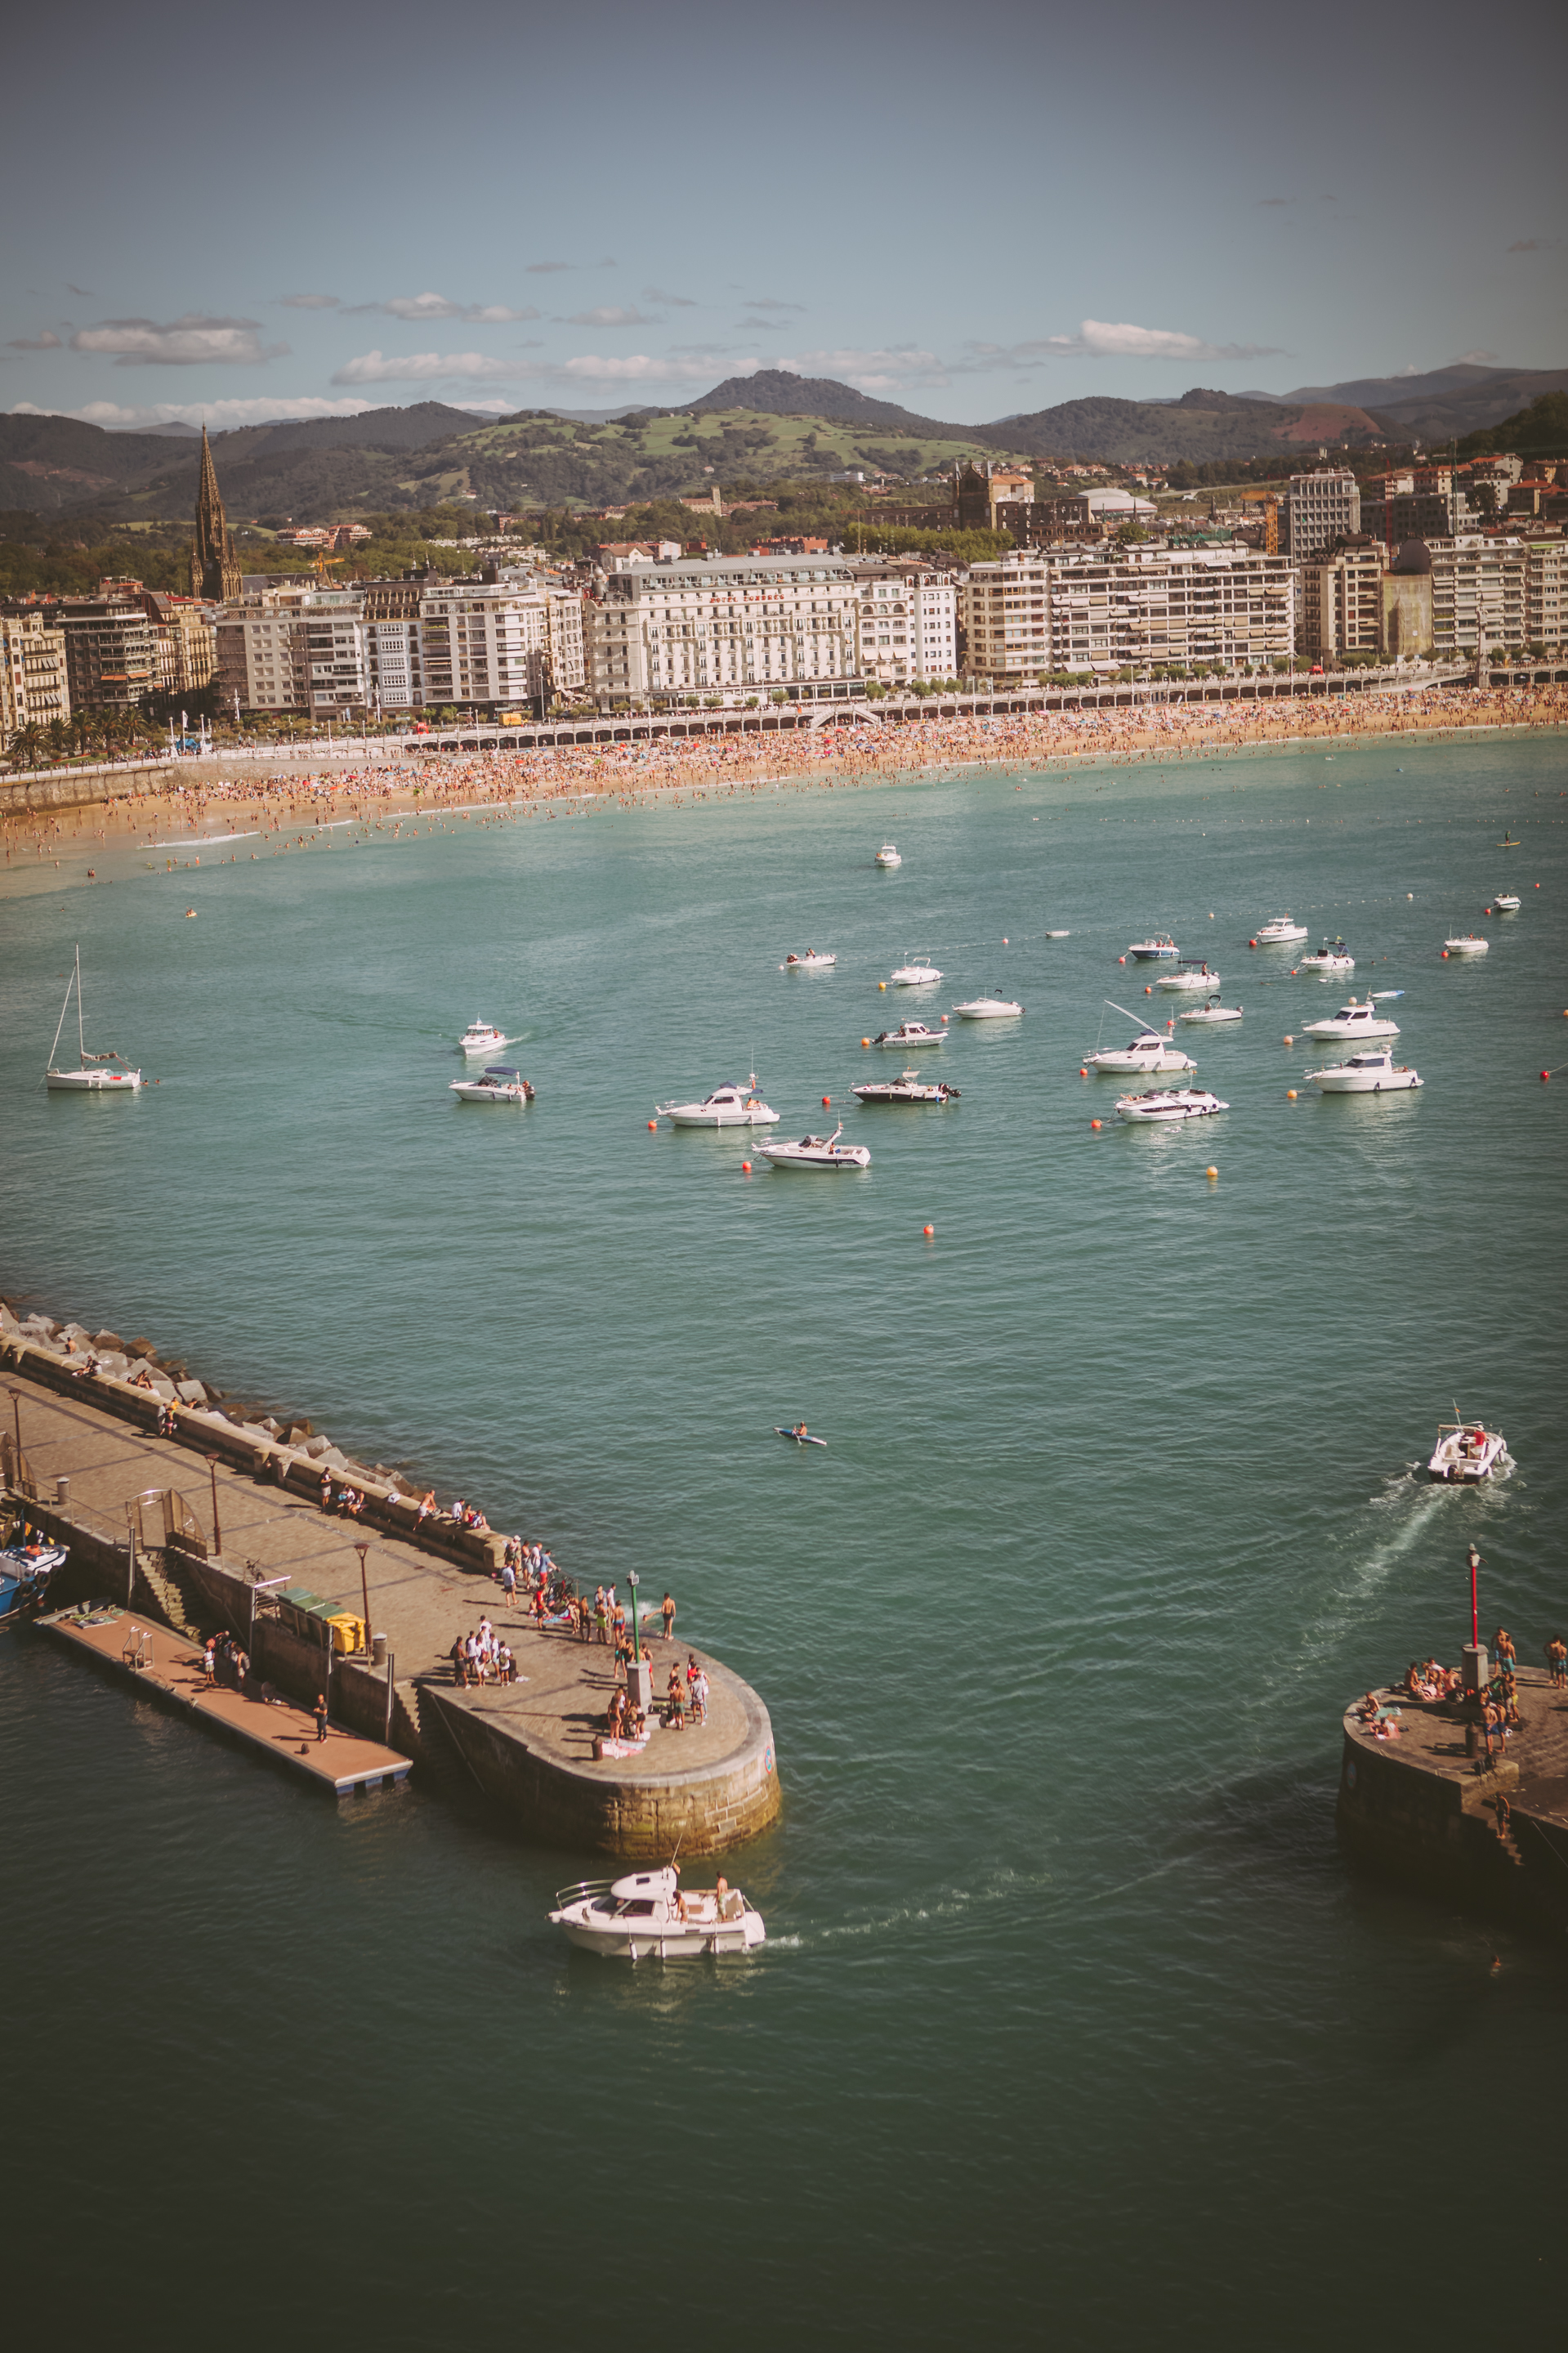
(26, 1569)
(92, 1074)
(496, 1084)
(993, 1008)
(889, 856)
(1058, 935)
(1506, 903)
(918, 972)
(1160, 947)
(1359, 1018)
(725, 1107)
(480, 1037)
(1281, 933)
(910, 1034)
(801, 1436)
(809, 961)
(1190, 974)
(1375, 1072)
(822, 1152)
(1465, 1452)
(1333, 956)
(908, 1087)
(1169, 1103)
(646, 1917)
(1212, 1012)
(1467, 944)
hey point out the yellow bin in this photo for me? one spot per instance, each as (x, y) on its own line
(348, 1632)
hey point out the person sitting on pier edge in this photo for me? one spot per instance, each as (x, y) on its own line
(427, 1505)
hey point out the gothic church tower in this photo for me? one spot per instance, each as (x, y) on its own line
(214, 566)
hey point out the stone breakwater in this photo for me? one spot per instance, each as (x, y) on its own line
(220, 1523)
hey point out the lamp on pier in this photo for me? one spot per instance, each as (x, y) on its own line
(364, 1589)
(217, 1531)
(15, 1398)
(639, 1676)
(1473, 1658)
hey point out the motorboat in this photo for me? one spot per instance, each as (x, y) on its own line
(1467, 944)
(495, 1083)
(1279, 934)
(1375, 1072)
(909, 1034)
(1506, 903)
(918, 972)
(1212, 1012)
(649, 1916)
(907, 1087)
(1333, 956)
(1058, 935)
(1169, 1103)
(1148, 1051)
(26, 1570)
(725, 1107)
(1465, 1452)
(1191, 973)
(1359, 1018)
(809, 961)
(993, 1008)
(95, 1073)
(888, 855)
(817, 1152)
(480, 1037)
(1160, 947)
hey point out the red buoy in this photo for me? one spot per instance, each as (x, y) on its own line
(745, 1168)
(1445, 956)
(1545, 1074)
(652, 1122)
(827, 1102)
(1094, 1122)
(928, 1229)
(1082, 1073)
(1252, 943)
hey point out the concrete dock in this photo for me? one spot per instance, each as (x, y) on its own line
(527, 1748)
(138, 1650)
(1424, 1808)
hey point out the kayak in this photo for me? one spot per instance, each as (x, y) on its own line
(799, 1440)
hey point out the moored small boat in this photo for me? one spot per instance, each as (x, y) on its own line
(649, 1916)
(1281, 933)
(1506, 903)
(909, 1034)
(497, 1083)
(809, 961)
(918, 972)
(888, 855)
(1467, 944)
(1214, 1012)
(907, 1087)
(1375, 1073)
(1169, 1103)
(1158, 948)
(817, 1152)
(1358, 1018)
(1332, 957)
(26, 1570)
(1192, 972)
(994, 1007)
(727, 1106)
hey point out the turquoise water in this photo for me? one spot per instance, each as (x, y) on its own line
(1072, 2019)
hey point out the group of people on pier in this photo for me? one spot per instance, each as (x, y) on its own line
(483, 1657)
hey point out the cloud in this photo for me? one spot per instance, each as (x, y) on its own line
(310, 302)
(1475, 359)
(81, 292)
(545, 269)
(413, 306)
(218, 415)
(424, 367)
(1535, 245)
(190, 341)
(767, 326)
(643, 367)
(609, 314)
(1098, 338)
(43, 343)
(771, 303)
(670, 301)
(893, 370)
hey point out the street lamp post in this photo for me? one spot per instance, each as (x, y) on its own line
(16, 1397)
(1473, 1660)
(217, 1531)
(365, 1590)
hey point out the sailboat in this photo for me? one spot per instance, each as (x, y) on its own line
(91, 1076)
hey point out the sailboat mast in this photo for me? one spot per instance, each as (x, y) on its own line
(65, 1009)
(80, 1036)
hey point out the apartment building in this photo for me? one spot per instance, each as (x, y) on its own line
(737, 624)
(260, 654)
(1339, 599)
(1320, 508)
(1546, 569)
(1480, 595)
(184, 641)
(334, 655)
(906, 623)
(500, 642)
(33, 688)
(111, 658)
(1083, 609)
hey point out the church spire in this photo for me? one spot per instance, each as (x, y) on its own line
(214, 566)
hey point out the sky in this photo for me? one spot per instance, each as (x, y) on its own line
(308, 210)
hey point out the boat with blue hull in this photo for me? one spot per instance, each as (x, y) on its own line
(26, 1573)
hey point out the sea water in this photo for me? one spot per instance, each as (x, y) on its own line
(1073, 2024)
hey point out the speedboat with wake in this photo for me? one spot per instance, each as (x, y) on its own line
(1465, 1452)
(1359, 1018)
(1169, 1103)
(992, 1008)
(1148, 1051)
(480, 1037)
(92, 1074)
(910, 1034)
(1333, 956)
(918, 972)
(823, 1152)
(1158, 948)
(649, 1916)
(907, 1087)
(1375, 1072)
(1282, 932)
(809, 961)
(1213, 1013)
(497, 1083)
(725, 1107)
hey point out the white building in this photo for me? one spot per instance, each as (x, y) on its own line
(261, 657)
(906, 619)
(1480, 595)
(1081, 609)
(1319, 509)
(33, 679)
(498, 643)
(741, 626)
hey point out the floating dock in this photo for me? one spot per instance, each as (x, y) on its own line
(139, 1650)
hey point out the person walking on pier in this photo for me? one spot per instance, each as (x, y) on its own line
(321, 1715)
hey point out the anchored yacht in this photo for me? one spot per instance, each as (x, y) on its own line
(1169, 1103)
(907, 1087)
(994, 1007)
(1375, 1072)
(1158, 948)
(93, 1073)
(1148, 1051)
(910, 1034)
(649, 1916)
(1359, 1018)
(817, 1152)
(728, 1106)
(918, 972)
(1281, 933)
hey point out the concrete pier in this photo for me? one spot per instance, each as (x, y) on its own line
(1425, 1809)
(278, 1568)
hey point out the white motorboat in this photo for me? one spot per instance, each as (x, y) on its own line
(1191, 973)
(1506, 903)
(993, 1008)
(1058, 935)
(1332, 957)
(1160, 947)
(725, 1107)
(809, 961)
(909, 1034)
(1375, 1073)
(817, 1152)
(1170, 1104)
(480, 1037)
(1279, 934)
(1359, 1018)
(1467, 944)
(918, 972)
(1148, 1051)
(1465, 1452)
(92, 1074)
(649, 1916)
(496, 1084)
(907, 1087)
(1212, 1013)
(888, 855)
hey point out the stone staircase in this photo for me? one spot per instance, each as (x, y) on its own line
(158, 1592)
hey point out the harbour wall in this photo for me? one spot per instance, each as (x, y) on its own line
(1431, 1832)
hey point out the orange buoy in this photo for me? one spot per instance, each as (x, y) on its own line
(652, 1122)
(881, 983)
(1121, 959)
(1004, 939)
(1147, 988)
(1211, 1172)
(1082, 1071)
(1290, 1094)
(1486, 910)
(928, 1229)
(1288, 1040)
(865, 1041)
(944, 1017)
(1094, 1122)
(745, 1168)
(827, 1102)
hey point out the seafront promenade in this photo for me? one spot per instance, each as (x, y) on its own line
(221, 1525)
